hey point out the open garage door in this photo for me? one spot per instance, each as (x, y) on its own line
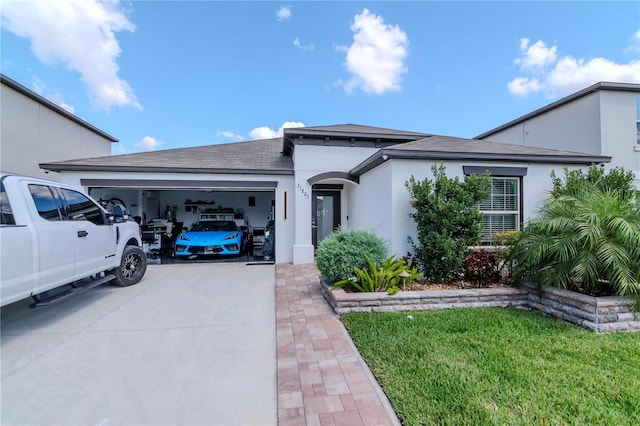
(167, 208)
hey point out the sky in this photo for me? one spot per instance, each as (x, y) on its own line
(171, 74)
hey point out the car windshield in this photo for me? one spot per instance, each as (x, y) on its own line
(218, 225)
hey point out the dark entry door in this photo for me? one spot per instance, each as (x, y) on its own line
(325, 214)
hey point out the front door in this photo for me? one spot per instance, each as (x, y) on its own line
(325, 214)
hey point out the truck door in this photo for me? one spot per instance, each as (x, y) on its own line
(55, 239)
(16, 262)
(96, 238)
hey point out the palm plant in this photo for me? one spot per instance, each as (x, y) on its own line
(589, 236)
(378, 277)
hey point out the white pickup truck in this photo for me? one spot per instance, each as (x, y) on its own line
(57, 242)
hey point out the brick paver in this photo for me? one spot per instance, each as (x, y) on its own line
(321, 379)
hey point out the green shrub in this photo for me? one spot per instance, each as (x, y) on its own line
(481, 268)
(375, 277)
(448, 221)
(504, 243)
(616, 179)
(344, 250)
(588, 238)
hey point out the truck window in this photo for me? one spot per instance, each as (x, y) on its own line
(46, 203)
(6, 215)
(79, 207)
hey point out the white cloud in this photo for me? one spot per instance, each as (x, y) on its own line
(264, 132)
(376, 57)
(284, 13)
(80, 35)
(149, 143)
(537, 55)
(39, 87)
(557, 76)
(634, 47)
(57, 99)
(230, 135)
(296, 43)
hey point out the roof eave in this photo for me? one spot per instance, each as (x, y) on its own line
(153, 169)
(384, 155)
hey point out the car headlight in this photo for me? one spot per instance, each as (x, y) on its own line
(231, 237)
(183, 237)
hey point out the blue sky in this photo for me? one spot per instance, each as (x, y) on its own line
(169, 74)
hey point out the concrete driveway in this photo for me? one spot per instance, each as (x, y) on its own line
(189, 345)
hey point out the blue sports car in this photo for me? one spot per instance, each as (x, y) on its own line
(209, 237)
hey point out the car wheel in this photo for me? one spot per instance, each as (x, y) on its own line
(132, 267)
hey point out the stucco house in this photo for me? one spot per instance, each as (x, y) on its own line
(308, 182)
(315, 179)
(35, 130)
(603, 119)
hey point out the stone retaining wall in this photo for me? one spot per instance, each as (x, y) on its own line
(600, 314)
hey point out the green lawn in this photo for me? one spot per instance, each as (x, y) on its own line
(494, 366)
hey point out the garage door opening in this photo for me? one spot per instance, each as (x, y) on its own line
(207, 218)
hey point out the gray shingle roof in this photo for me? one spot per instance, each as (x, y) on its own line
(438, 148)
(352, 129)
(253, 157)
(450, 144)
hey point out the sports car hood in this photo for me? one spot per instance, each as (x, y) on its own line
(208, 237)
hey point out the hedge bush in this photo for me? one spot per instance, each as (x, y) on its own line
(344, 250)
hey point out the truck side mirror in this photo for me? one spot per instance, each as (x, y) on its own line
(119, 214)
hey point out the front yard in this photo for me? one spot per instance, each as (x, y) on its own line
(488, 366)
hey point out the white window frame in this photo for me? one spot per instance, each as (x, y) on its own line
(488, 234)
(500, 172)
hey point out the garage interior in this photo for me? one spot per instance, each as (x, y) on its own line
(164, 212)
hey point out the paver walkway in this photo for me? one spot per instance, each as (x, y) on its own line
(321, 377)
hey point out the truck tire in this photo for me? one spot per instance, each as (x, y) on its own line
(132, 267)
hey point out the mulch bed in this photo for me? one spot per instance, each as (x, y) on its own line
(426, 285)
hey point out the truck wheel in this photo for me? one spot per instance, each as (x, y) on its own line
(132, 267)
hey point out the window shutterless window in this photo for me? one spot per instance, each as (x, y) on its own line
(502, 209)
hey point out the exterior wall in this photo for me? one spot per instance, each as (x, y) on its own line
(602, 123)
(32, 133)
(370, 207)
(284, 226)
(570, 127)
(619, 134)
(381, 202)
(309, 161)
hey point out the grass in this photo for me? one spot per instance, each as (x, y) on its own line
(494, 366)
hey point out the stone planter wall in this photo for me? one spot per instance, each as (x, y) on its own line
(343, 302)
(600, 314)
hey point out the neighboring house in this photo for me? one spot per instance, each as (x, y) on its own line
(34, 130)
(314, 179)
(603, 119)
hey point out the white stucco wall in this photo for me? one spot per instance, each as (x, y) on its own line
(309, 161)
(370, 207)
(32, 133)
(619, 134)
(602, 123)
(384, 188)
(570, 127)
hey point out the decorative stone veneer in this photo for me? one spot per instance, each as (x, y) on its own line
(600, 314)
